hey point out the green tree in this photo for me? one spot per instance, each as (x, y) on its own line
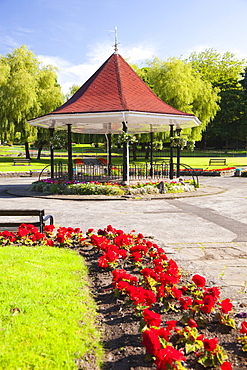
(73, 89)
(177, 83)
(224, 72)
(27, 90)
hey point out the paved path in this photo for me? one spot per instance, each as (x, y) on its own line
(204, 234)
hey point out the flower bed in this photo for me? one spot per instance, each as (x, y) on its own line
(153, 285)
(208, 172)
(109, 188)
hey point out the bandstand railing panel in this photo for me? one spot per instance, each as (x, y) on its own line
(82, 172)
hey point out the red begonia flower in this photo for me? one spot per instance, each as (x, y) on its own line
(199, 280)
(192, 323)
(210, 344)
(243, 329)
(151, 318)
(226, 305)
(226, 366)
(150, 340)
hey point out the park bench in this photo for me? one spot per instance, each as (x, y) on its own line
(22, 213)
(217, 161)
(23, 161)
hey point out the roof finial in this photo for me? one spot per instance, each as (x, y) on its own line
(116, 41)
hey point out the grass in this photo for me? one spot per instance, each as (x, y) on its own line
(47, 317)
(6, 163)
(7, 154)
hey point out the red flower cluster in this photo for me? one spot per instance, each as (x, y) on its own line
(28, 234)
(156, 280)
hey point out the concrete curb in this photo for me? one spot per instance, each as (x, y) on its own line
(202, 191)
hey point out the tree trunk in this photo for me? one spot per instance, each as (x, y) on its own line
(147, 152)
(134, 147)
(27, 150)
(39, 151)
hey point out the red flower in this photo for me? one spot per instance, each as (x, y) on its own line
(164, 333)
(167, 356)
(121, 274)
(208, 300)
(103, 262)
(243, 329)
(22, 232)
(226, 366)
(147, 272)
(137, 257)
(199, 280)
(123, 286)
(192, 323)
(141, 296)
(151, 341)
(208, 304)
(210, 344)
(49, 228)
(171, 324)
(38, 235)
(226, 305)
(49, 242)
(200, 337)
(185, 303)
(151, 318)
(109, 228)
(176, 293)
(60, 238)
(213, 291)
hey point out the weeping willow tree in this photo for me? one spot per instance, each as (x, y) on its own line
(27, 90)
(178, 84)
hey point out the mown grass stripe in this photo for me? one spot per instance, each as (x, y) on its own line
(44, 297)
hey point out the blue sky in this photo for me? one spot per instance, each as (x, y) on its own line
(75, 36)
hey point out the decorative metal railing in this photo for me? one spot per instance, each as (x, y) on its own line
(82, 172)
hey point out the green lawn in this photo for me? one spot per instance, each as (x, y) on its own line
(7, 154)
(47, 317)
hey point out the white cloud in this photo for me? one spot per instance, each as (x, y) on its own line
(20, 31)
(139, 53)
(8, 41)
(76, 74)
(68, 73)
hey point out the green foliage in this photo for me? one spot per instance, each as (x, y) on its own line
(96, 189)
(27, 90)
(222, 70)
(74, 88)
(179, 85)
(59, 187)
(59, 140)
(44, 298)
(124, 137)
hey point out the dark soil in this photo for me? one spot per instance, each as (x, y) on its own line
(119, 325)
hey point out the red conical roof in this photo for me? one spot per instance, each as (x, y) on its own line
(116, 87)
